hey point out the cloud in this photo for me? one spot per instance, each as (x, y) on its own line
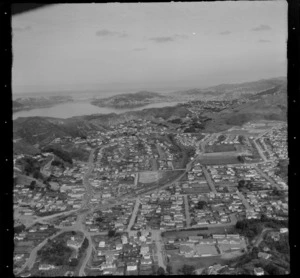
(108, 33)
(262, 40)
(225, 33)
(180, 36)
(162, 39)
(168, 38)
(262, 27)
(139, 49)
(21, 29)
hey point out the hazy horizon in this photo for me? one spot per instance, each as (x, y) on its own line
(127, 89)
(147, 46)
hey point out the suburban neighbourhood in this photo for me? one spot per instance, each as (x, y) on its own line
(149, 199)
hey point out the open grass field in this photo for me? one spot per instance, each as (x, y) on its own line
(220, 148)
(177, 261)
(218, 159)
(149, 176)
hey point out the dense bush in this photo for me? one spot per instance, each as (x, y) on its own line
(55, 253)
(31, 166)
(57, 163)
(201, 205)
(65, 156)
(19, 229)
(187, 269)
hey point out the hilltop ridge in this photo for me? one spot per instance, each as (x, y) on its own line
(141, 98)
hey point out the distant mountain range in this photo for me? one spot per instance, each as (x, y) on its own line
(231, 91)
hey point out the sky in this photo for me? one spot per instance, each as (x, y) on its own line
(148, 45)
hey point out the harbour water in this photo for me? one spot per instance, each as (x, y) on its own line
(80, 108)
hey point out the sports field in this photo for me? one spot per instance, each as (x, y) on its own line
(220, 148)
(219, 158)
(149, 176)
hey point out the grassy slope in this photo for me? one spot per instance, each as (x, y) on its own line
(271, 107)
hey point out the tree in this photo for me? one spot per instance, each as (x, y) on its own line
(263, 218)
(240, 159)
(36, 174)
(169, 269)
(161, 271)
(241, 225)
(32, 185)
(255, 251)
(201, 204)
(73, 262)
(187, 269)
(111, 233)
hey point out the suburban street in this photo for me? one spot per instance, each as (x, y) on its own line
(243, 199)
(187, 212)
(133, 216)
(261, 236)
(266, 177)
(156, 237)
(260, 151)
(209, 180)
(86, 208)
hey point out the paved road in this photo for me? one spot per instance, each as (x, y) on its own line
(209, 180)
(266, 177)
(260, 151)
(243, 199)
(88, 255)
(32, 258)
(187, 212)
(261, 236)
(89, 190)
(156, 237)
(133, 215)
(43, 170)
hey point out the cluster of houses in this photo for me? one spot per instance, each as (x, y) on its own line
(188, 187)
(195, 182)
(229, 175)
(26, 240)
(65, 221)
(218, 244)
(134, 153)
(212, 103)
(213, 208)
(228, 139)
(186, 139)
(84, 143)
(124, 255)
(64, 195)
(160, 210)
(265, 203)
(270, 169)
(165, 156)
(115, 218)
(278, 139)
(37, 201)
